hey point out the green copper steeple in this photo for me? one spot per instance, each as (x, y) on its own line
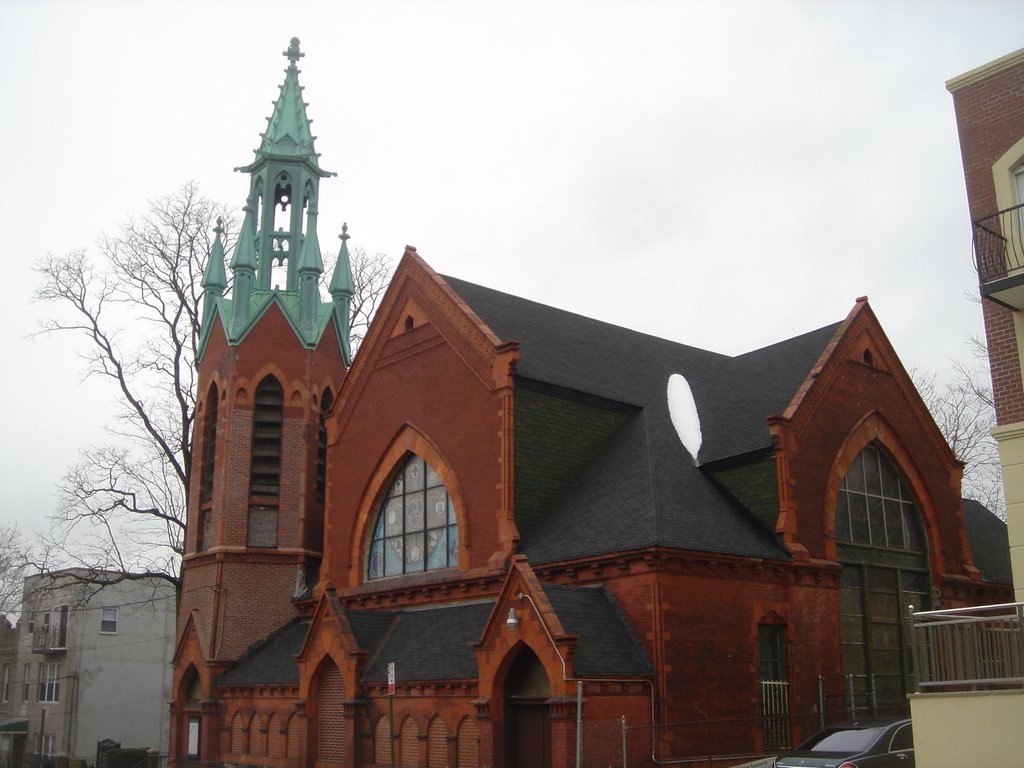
(277, 258)
(285, 180)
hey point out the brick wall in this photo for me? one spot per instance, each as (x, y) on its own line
(990, 120)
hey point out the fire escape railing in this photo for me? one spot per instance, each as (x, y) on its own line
(998, 244)
(977, 648)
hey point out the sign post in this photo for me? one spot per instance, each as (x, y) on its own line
(391, 710)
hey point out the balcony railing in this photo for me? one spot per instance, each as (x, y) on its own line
(978, 648)
(999, 256)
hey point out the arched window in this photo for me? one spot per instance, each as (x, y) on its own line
(265, 463)
(875, 507)
(209, 443)
(881, 544)
(415, 529)
(321, 449)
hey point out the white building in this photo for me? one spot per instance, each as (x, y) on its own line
(93, 664)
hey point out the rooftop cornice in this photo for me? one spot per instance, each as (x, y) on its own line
(985, 71)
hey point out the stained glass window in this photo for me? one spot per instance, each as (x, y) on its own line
(875, 506)
(415, 528)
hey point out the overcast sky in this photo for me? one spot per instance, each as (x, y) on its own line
(722, 174)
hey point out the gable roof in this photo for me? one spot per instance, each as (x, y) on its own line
(989, 541)
(645, 489)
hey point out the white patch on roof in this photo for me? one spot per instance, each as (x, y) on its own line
(683, 410)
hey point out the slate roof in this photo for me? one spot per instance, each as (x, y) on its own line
(436, 642)
(607, 646)
(645, 489)
(429, 643)
(989, 541)
(271, 661)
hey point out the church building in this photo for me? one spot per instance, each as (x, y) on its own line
(503, 532)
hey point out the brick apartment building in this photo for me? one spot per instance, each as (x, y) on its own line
(522, 509)
(989, 104)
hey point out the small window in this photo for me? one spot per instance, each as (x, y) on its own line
(771, 652)
(49, 682)
(26, 684)
(192, 747)
(108, 620)
(5, 688)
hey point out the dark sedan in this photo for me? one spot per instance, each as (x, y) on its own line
(868, 745)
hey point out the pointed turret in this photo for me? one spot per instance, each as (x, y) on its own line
(243, 268)
(310, 268)
(215, 280)
(342, 288)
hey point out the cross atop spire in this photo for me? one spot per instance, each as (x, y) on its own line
(293, 52)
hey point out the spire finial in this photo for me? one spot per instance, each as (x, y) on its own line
(219, 229)
(344, 233)
(293, 52)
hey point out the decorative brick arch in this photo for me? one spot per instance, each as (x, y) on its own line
(468, 743)
(409, 440)
(237, 746)
(437, 743)
(327, 740)
(874, 428)
(409, 743)
(381, 741)
(275, 742)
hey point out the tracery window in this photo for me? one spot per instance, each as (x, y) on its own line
(875, 507)
(415, 529)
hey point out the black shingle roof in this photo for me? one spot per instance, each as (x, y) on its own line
(271, 661)
(606, 645)
(428, 643)
(989, 541)
(436, 642)
(645, 490)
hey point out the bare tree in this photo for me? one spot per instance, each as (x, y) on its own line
(12, 567)
(964, 411)
(370, 276)
(122, 507)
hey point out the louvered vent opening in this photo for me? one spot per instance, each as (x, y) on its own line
(209, 445)
(267, 418)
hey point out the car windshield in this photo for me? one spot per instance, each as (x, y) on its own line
(850, 740)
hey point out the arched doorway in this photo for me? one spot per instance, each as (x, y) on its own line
(881, 544)
(528, 737)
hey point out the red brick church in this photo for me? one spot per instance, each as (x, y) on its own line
(500, 517)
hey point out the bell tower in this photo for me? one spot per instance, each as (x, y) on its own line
(272, 357)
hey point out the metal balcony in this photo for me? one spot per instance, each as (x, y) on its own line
(49, 641)
(978, 648)
(999, 256)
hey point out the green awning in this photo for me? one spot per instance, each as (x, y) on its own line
(15, 725)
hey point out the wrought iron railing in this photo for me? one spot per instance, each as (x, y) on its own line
(978, 648)
(999, 244)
